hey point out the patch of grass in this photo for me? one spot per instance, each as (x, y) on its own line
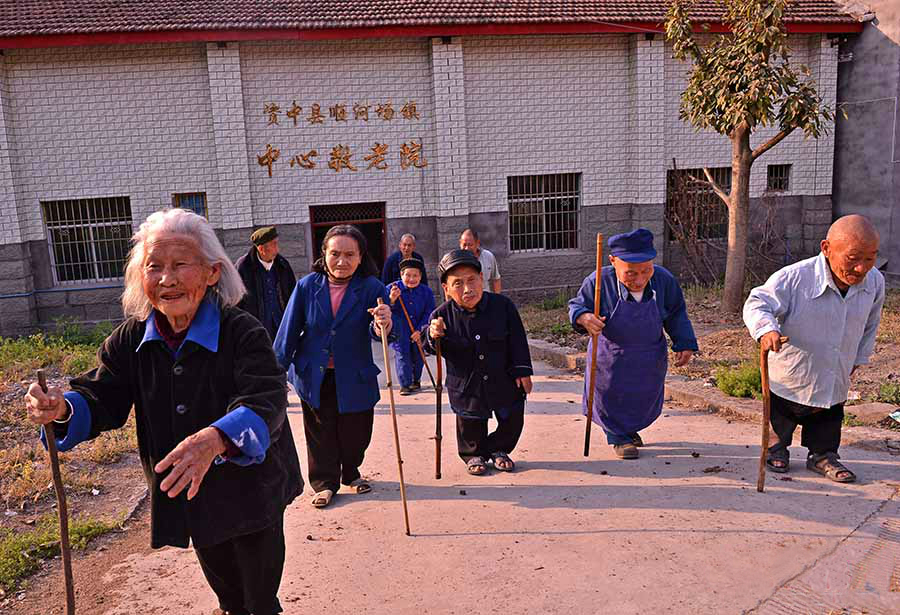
(889, 393)
(25, 475)
(851, 420)
(743, 380)
(889, 328)
(559, 300)
(703, 293)
(560, 328)
(110, 446)
(20, 357)
(21, 553)
(68, 331)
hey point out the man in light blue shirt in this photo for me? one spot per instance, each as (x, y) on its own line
(829, 306)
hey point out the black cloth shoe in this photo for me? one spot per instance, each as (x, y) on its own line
(405, 391)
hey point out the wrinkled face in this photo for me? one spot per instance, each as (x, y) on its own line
(849, 259)
(411, 277)
(268, 251)
(342, 256)
(174, 274)
(467, 242)
(407, 245)
(465, 286)
(634, 276)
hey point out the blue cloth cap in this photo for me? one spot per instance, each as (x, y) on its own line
(633, 247)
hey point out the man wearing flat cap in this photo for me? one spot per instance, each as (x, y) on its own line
(638, 302)
(268, 277)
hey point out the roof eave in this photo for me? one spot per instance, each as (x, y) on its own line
(181, 36)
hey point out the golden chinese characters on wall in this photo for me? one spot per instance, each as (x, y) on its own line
(340, 157)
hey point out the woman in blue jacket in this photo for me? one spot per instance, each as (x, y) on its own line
(324, 343)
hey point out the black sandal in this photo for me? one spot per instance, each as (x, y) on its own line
(828, 466)
(509, 466)
(476, 466)
(781, 455)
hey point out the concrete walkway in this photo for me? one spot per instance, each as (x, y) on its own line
(681, 530)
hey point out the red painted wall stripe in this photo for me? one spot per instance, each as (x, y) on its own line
(180, 36)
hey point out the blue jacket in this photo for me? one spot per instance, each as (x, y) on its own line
(419, 302)
(669, 300)
(309, 334)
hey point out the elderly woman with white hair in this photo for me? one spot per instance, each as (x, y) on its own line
(210, 403)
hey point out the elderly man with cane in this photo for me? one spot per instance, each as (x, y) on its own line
(210, 401)
(829, 306)
(640, 302)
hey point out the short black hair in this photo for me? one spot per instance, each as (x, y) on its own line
(366, 264)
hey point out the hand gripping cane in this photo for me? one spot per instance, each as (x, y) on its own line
(390, 388)
(60, 505)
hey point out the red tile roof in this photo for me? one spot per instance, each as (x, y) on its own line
(60, 17)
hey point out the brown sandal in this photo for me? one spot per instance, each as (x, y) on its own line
(828, 466)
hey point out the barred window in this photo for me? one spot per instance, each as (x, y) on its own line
(194, 201)
(692, 205)
(89, 238)
(778, 177)
(543, 211)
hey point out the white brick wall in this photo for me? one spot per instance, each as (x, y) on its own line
(694, 149)
(9, 217)
(108, 121)
(147, 121)
(370, 72)
(547, 104)
(451, 162)
(229, 204)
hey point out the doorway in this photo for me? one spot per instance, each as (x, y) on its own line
(367, 217)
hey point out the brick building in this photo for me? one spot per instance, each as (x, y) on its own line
(538, 124)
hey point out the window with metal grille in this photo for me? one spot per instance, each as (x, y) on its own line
(194, 201)
(89, 238)
(693, 207)
(543, 211)
(778, 177)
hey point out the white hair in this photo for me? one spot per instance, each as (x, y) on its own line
(410, 235)
(229, 288)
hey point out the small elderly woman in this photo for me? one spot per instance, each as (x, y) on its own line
(210, 405)
(325, 344)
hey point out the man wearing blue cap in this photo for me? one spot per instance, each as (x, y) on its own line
(639, 300)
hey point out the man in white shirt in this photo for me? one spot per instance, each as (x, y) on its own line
(490, 272)
(829, 306)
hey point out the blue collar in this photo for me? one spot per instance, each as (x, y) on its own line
(204, 329)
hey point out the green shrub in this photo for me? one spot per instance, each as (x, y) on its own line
(71, 333)
(21, 553)
(740, 381)
(889, 393)
(561, 328)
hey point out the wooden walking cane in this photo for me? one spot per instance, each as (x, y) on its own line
(438, 391)
(390, 388)
(595, 339)
(418, 341)
(61, 507)
(767, 414)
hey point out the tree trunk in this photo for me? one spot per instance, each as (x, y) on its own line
(738, 220)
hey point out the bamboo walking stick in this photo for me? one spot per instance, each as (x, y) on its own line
(595, 339)
(418, 341)
(61, 507)
(390, 388)
(767, 415)
(438, 391)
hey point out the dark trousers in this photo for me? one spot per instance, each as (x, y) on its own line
(473, 439)
(408, 361)
(821, 426)
(335, 443)
(245, 572)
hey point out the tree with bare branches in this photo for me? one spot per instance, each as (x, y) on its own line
(739, 82)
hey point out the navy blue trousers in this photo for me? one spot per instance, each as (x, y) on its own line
(408, 362)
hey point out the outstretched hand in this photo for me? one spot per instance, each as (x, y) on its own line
(190, 461)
